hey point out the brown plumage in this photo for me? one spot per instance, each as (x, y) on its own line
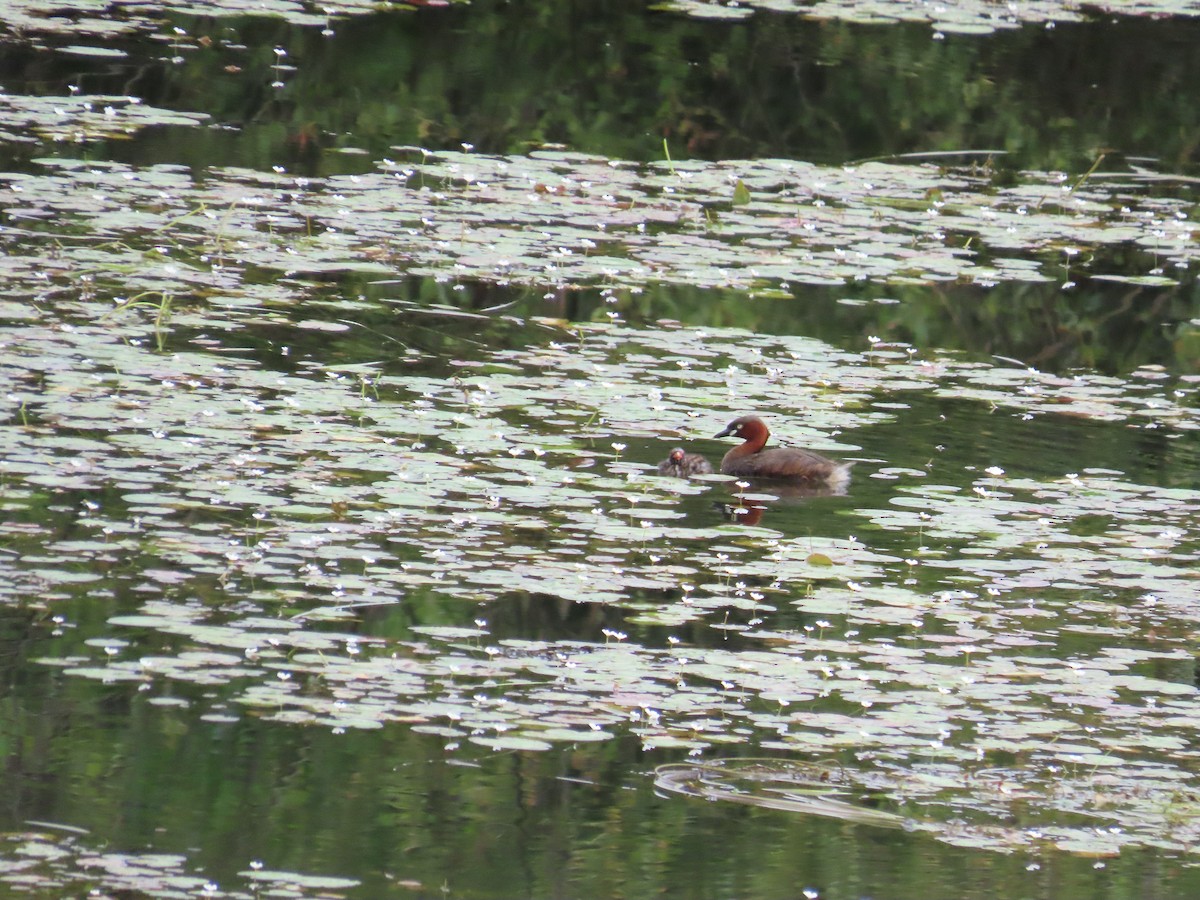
(750, 460)
(683, 465)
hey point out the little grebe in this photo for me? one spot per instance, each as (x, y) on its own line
(684, 465)
(750, 460)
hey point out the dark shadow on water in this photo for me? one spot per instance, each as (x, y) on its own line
(436, 327)
(1112, 328)
(617, 78)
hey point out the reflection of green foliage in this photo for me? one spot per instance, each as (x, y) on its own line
(393, 806)
(1111, 327)
(615, 83)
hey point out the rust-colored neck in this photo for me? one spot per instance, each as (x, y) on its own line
(754, 432)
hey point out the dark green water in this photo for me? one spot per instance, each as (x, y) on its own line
(282, 505)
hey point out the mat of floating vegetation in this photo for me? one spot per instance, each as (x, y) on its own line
(964, 812)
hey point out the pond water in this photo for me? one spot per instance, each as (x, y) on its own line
(338, 351)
